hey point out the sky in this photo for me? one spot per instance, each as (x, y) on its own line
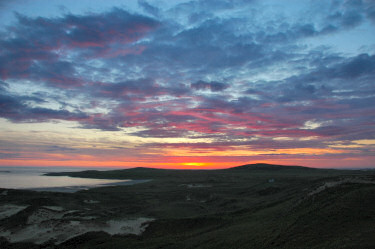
(187, 84)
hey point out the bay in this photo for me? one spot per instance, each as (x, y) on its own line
(33, 178)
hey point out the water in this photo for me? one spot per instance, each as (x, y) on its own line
(33, 178)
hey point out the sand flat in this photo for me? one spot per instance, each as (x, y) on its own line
(41, 229)
(8, 210)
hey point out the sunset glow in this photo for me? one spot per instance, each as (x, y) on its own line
(187, 84)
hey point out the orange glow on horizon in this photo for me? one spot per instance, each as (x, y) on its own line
(184, 158)
(118, 164)
(193, 163)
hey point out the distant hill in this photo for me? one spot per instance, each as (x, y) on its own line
(154, 173)
(266, 166)
(132, 173)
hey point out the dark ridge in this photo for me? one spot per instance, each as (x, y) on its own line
(144, 172)
(266, 166)
(132, 173)
(143, 169)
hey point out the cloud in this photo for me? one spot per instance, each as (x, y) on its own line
(363, 64)
(235, 76)
(148, 8)
(349, 68)
(54, 39)
(213, 86)
(162, 133)
(139, 87)
(322, 80)
(117, 26)
(3, 85)
(17, 109)
(58, 148)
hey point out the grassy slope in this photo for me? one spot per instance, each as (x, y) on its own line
(233, 208)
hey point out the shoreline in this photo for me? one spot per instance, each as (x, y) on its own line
(73, 189)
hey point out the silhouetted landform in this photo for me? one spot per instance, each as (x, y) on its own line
(251, 206)
(142, 172)
(266, 166)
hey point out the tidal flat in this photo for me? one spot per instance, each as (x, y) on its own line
(251, 206)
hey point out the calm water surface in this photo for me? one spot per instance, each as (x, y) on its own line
(33, 178)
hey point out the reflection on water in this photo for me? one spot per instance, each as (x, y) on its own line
(32, 177)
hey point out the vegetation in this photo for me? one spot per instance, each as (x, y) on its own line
(252, 206)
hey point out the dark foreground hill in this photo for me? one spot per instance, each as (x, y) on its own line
(251, 206)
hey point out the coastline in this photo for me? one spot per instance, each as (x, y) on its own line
(40, 179)
(73, 189)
